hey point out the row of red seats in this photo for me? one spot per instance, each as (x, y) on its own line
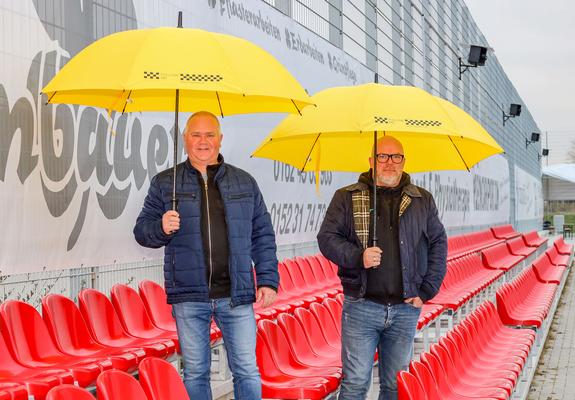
(158, 380)
(303, 280)
(526, 300)
(481, 359)
(470, 274)
(71, 344)
(103, 333)
(465, 277)
(299, 355)
(469, 243)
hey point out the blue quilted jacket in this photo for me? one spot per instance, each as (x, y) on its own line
(250, 234)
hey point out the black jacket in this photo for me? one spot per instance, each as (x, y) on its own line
(422, 238)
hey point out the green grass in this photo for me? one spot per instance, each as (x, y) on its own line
(569, 218)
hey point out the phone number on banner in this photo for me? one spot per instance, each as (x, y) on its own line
(290, 218)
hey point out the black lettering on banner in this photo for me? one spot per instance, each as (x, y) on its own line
(294, 217)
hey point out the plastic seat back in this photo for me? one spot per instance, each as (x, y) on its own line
(65, 323)
(425, 378)
(69, 392)
(309, 278)
(100, 316)
(437, 372)
(312, 329)
(296, 277)
(26, 333)
(294, 333)
(118, 385)
(517, 247)
(327, 268)
(327, 323)
(334, 309)
(8, 366)
(409, 388)
(131, 310)
(155, 300)
(161, 381)
(285, 280)
(271, 333)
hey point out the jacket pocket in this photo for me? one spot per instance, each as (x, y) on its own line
(238, 196)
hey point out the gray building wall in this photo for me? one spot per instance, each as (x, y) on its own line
(418, 42)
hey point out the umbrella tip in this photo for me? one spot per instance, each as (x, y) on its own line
(376, 80)
(180, 15)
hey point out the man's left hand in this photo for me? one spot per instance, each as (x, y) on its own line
(414, 301)
(267, 296)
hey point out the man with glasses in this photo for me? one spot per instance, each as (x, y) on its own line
(385, 284)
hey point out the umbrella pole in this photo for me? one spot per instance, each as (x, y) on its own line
(176, 134)
(374, 202)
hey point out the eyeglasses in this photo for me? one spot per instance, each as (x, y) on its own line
(395, 158)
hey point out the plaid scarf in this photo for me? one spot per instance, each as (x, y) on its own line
(362, 212)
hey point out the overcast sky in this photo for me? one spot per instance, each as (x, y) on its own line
(534, 41)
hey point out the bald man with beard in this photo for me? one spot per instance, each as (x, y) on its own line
(384, 285)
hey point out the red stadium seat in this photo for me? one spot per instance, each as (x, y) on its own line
(106, 328)
(154, 297)
(499, 257)
(286, 361)
(29, 339)
(299, 340)
(547, 272)
(160, 312)
(277, 385)
(135, 318)
(557, 258)
(505, 232)
(71, 335)
(533, 239)
(518, 247)
(161, 381)
(562, 247)
(118, 385)
(409, 388)
(69, 392)
(525, 301)
(36, 381)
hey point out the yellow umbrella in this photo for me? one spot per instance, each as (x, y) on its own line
(177, 69)
(140, 70)
(340, 132)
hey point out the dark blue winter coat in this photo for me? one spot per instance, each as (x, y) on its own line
(250, 234)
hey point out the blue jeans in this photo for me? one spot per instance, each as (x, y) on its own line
(367, 326)
(238, 327)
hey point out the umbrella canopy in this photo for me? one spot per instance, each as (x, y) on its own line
(177, 69)
(338, 134)
(140, 70)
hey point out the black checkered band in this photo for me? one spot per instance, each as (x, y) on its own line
(422, 122)
(381, 120)
(151, 75)
(200, 77)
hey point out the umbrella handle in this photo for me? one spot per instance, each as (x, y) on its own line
(374, 239)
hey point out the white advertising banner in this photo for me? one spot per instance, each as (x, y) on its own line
(528, 196)
(73, 179)
(479, 197)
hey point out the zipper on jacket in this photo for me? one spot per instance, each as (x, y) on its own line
(209, 234)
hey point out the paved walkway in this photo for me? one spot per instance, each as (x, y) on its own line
(555, 375)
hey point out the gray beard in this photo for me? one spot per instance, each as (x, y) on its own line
(388, 181)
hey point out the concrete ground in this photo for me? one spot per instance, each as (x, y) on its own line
(555, 375)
